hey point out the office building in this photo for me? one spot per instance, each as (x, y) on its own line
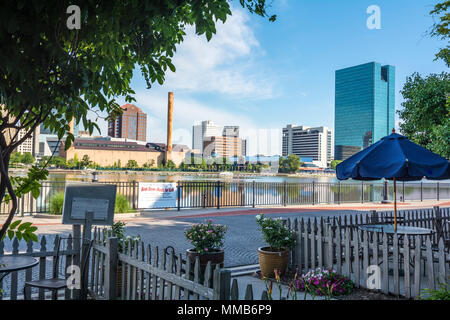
(231, 131)
(310, 144)
(131, 124)
(364, 107)
(205, 129)
(244, 147)
(222, 147)
(30, 144)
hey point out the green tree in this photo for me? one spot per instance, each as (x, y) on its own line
(71, 163)
(149, 164)
(170, 165)
(76, 160)
(334, 163)
(204, 165)
(27, 158)
(51, 74)
(58, 161)
(182, 166)
(425, 117)
(86, 161)
(15, 158)
(132, 164)
(289, 164)
(441, 30)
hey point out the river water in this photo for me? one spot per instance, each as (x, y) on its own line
(154, 176)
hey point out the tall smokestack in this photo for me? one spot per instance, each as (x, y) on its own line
(169, 126)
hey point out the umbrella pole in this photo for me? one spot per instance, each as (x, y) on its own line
(395, 205)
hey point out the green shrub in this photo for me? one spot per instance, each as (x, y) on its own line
(56, 203)
(122, 204)
(276, 235)
(442, 293)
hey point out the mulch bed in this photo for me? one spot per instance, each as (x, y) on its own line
(356, 294)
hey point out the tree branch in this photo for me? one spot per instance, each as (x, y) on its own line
(7, 183)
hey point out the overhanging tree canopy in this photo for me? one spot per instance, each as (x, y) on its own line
(51, 74)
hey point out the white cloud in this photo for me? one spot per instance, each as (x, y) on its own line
(224, 64)
(187, 111)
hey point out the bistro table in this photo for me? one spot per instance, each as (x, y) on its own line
(13, 263)
(401, 230)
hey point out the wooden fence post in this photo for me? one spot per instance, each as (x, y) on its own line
(111, 268)
(222, 279)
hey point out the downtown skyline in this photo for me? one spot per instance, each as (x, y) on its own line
(262, 76)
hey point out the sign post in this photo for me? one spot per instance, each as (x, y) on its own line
(87, 204)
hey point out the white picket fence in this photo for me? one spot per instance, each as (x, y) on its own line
(399, 265)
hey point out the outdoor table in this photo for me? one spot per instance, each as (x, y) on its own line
(401, 230)
(10, 264)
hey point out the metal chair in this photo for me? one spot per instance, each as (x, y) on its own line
(55, 283)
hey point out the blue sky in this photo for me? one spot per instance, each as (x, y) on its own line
(263, 76)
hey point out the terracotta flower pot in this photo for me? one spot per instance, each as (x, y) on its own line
(270, 260)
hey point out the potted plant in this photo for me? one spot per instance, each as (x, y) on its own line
(207, 239)
(118, 230)
(279, 239)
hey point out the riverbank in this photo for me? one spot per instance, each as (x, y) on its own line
(208, 175)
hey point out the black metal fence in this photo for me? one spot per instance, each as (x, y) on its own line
(219, 194)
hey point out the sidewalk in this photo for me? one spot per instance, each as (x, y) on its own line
(44, 219)
(213, 212)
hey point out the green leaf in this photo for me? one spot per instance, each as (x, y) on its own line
(26, 237)
(35, 192)
(19, 235)
(14, 224)
(10, 234)
(34, 237)
(24, 226)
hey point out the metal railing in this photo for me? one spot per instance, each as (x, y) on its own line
(219, 194)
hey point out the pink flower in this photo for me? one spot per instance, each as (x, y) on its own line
(206, 249)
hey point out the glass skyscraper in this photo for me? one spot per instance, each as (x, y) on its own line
(364, 107)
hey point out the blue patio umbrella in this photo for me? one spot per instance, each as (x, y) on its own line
(394, 157)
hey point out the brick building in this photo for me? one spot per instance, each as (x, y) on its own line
(131, 124)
